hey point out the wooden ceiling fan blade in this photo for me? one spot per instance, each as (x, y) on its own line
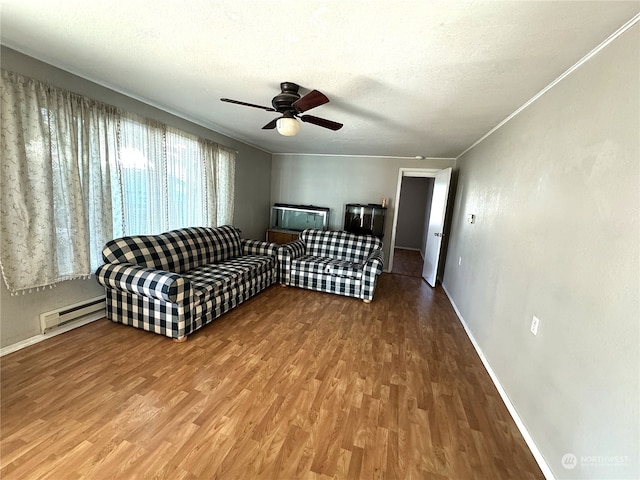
(237, 102)
(311, 100)
(271, 125)
(321, 122)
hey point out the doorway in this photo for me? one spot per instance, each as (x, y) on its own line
(414, 208)
(418, 222)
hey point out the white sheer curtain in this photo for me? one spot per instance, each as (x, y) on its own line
(220, 169)
(171, 179)
(76, 173)
(186, 181)
(57, 150)
(142, 172)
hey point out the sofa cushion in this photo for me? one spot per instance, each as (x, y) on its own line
(216, 279)
(176, 251)
(339, 245)
(342, 268)
(310, 264)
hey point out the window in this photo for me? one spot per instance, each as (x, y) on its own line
(163, 178)
(76, 173)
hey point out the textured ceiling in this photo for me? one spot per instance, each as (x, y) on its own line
(405, 77)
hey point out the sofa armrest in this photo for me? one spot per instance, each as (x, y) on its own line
(372, 268)
(295, 249)
(286, 253)
(374, 264)
(259, 247)
(149, 282)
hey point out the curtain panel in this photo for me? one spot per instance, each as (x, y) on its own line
(220, 170)
(76, 173)
(57, 151)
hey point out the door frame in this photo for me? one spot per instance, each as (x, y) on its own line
(405, 172)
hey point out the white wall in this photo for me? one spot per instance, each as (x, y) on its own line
(333, 181)
(19, 315)
(556, 195)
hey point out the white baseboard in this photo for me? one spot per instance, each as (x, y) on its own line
(537, 454)
(39, 338)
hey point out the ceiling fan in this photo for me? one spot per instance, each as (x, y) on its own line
(291, 105)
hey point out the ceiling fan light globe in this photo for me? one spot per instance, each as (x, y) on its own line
(288, 126)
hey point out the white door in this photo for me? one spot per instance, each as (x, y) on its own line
(436, 226)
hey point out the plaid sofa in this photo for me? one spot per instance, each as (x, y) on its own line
(177, 282)
(334, 262)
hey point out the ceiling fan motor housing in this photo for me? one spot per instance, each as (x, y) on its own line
(290, 105)
(283, 101)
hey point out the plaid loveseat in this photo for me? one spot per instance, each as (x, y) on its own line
(177, 282)
(334, 262)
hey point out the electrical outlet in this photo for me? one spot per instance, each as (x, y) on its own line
(535, 323)
(459, 261)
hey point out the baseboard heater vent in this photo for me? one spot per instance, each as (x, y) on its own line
(85, 312)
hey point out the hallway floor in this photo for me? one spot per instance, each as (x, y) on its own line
(407, 262)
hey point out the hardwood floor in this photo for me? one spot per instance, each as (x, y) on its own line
(407, 262)
(291, 384)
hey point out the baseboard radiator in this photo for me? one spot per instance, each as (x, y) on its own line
(81, 312)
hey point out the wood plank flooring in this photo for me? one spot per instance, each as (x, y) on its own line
(291, 384)
(407, 262)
